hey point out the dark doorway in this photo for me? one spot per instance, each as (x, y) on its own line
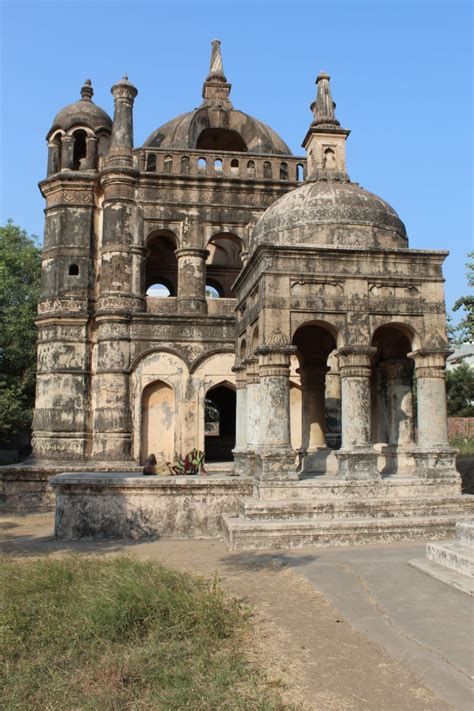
(219, 429)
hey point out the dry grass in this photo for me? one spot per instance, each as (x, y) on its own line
(94, 633)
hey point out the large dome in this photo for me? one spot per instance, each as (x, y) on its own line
(217, 130)
(325, 213)
(216, 125)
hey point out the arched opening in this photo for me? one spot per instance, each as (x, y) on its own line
(220, 139)
(168, 164)
(80, 149)
(161, 268)
(393, 416)
(299, 173)
(213, 290)
(202, 165)
(267, 169)
(255, 337)
(184, 165)
(218, 165)
(315, 342)
(234, 166)
(151, 163)
(103, 144)
(223, 263)
(73, 270)
(159, 290)
(283, 171)
(251, 168)
(219, 430)
(157, 435)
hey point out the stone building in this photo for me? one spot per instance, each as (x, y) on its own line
(211, 289)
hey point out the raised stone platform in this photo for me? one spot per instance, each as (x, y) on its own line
(130, 505)
(452, 562)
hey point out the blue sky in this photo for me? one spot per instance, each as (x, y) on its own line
(401, 77)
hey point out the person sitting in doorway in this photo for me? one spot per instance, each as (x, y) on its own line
(150, 466)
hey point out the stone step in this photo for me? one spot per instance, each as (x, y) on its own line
(465, 532)
(267, 509)
(453, 555)
(244, 534)
(450, 577)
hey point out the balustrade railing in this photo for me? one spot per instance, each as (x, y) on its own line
(217, 164)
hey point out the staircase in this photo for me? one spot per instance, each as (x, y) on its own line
(325, 510)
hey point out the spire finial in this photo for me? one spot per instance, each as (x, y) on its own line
(323, 108)
(87, 92)
(216, 69)
(216, 90)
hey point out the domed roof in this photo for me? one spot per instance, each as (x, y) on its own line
(331, 214)
(216, 125)
(82, 113)
(183, 132)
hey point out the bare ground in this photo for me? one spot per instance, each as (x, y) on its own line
(298, 637)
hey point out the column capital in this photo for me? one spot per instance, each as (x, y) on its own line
(240, 376)
(275, 360)
(252, 374)
(430, 362)
(191, 252)
(355, 361)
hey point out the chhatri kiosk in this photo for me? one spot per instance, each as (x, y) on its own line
(327, 329)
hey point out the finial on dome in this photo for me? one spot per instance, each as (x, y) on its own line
(87, 92)
(216, 90)
(216, 69)
(324, 107)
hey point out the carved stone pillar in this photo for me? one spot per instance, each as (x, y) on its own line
(247, 461)
(433, 455)
(192, 279)
(240, 448)
(67, 152)
(356, 458)
(317, 457)
(275, 455)
(399, 402)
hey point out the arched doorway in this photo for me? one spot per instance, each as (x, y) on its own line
(219, 427)
(161, 268)
(315, 342)
(158, 415)
(393, 416)
(223, 265)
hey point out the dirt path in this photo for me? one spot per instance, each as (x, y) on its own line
(299, 637)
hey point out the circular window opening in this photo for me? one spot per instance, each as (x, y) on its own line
(159, 289)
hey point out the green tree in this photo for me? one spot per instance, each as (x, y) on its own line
(460, 391)
(464, 331)
(20, 268)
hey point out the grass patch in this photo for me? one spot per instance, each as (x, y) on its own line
(117, 633)
(464, 444)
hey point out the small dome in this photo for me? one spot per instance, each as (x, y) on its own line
(330, 214)
(186, 132)
(82, 113)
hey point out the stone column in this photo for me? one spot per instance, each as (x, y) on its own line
(433, 455)
(192, 280)
(275, 455)
(91, 152)
(314, 447)
(252, 418)
(67, 152)
(121, 142)
(241, 420)
(357, 458)
(54, 158)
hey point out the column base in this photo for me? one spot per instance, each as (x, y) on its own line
(396, 460)
(320, 460)
(357, 463)
(112, 446)
(435, 462)
(276, 465)
(244, 462)
(60, 445)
